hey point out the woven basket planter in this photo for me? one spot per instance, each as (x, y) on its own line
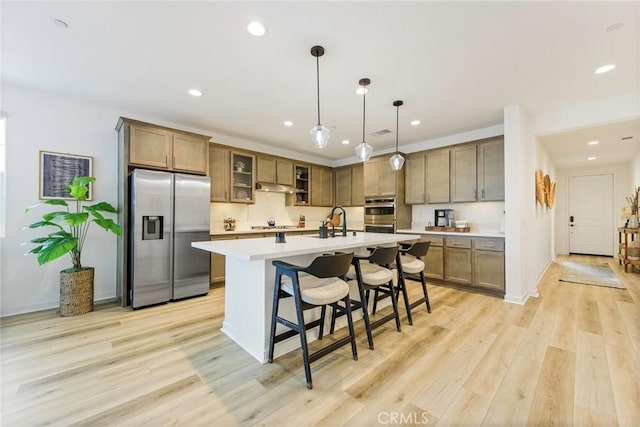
(76, 291)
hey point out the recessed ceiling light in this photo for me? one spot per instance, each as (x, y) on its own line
(288, 123)
(604, 69)
(60, 23)
(361, 90)
(614, 27)
(415, 122)
(256, 29)
(195, 92)
(591, 158)
(593, 142)
(345, 141)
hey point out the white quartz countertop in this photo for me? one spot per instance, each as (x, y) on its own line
(267, 248)
(221, 232)
(453, 233)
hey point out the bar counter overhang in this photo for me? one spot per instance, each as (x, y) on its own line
(249, 280)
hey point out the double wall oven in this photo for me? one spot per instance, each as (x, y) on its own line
(380, 215)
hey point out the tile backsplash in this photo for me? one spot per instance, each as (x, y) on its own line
(268, 204)
(482, 216)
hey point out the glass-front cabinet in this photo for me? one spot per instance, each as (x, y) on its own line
(242, 178)
(302, 185)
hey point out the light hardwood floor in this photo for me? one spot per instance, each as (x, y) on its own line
(569, 357)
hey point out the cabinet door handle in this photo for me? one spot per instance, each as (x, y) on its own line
(483, 193)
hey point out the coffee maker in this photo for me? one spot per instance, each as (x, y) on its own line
(443, 218)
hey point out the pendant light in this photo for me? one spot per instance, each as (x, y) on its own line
(364, 150)
(319, 134)
(396, 161)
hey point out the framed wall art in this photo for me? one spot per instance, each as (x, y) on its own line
(58, 170)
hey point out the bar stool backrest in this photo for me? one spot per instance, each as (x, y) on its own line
(383, 255)
(419, 249)
(330, 265)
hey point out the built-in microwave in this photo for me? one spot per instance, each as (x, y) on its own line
(380, 213)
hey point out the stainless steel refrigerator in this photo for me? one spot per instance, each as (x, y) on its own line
(168, 212)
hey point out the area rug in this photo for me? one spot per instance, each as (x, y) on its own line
(589, 274)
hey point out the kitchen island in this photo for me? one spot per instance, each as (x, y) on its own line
(250, 277)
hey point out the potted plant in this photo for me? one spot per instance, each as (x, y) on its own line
(633, 205)
(70, 227)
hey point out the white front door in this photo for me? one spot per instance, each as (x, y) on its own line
(591, 214)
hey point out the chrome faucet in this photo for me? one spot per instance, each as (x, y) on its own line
(344, 218)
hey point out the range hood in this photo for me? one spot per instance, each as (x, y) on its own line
(275, 188)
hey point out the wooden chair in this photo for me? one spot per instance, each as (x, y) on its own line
(317, 285)
(372, 272)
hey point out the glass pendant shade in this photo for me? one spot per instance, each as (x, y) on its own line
(396, 161)
(319, 136)
(364, 151)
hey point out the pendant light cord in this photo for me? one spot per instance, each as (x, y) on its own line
(397, 121)
(318, 84)
(364, 109)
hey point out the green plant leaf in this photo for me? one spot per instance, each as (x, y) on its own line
(102, 206)
(56, 202)
(35, 250)
(39, 224)
(51, 215)
(83, 180)
(109, 225)
(74, 219)
(55, 248)
(39, 240)
(61, 233)
(78, 192)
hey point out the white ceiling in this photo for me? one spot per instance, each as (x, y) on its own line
(455, 65)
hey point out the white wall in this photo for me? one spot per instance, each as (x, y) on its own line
(482, 216)
(634, 171)
(37, 121)
(622, 187)
(543, 226)
(521, 228)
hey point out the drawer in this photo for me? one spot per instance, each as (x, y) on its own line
(456, 242)
(489, 244)
(435, 240)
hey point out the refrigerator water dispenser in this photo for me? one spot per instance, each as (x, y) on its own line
(152, 227)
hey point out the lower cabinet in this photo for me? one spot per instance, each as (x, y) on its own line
(434, 261)
(488, 264)
(457, 260)
(475, 263)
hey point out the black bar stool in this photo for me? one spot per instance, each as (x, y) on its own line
(373, 272)
(317, 285)
(410, 266)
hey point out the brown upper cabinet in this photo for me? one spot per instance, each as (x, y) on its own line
(161, 148)
(437, 162)
(491, 170)
(321, 186)
(302, 186)
(219, 172)
(463, 173)
(274, 170)
(242, 177)
(415, 176)
(379, 178)
(349, 183)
